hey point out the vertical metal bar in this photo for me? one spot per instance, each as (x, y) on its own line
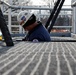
(5, 31)
(9, 16)
(52, 13)
(56, 15)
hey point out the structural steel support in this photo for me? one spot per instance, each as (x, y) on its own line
(56, 15)
(52, 13)
(5, 31)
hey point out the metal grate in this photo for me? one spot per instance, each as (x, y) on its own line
(52, 58)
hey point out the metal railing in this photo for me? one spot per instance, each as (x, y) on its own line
(32, 8)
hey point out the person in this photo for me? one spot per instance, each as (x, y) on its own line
(36, 31)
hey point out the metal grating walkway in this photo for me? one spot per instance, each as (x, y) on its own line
(48, 58)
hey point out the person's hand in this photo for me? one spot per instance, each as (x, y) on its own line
(35, 40)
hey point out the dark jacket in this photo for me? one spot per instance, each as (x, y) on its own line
(38, 33)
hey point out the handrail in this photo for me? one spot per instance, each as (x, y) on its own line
(31, 7)
(73, 4)
(5, 3)
(53, 26)
(62, 27)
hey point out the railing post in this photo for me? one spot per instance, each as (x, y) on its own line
(9, 17)
(74, 18)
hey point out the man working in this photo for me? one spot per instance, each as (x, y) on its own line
(36, 31)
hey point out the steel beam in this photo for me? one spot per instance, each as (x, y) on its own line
(56, 15)
(5, 31)
(73, 4)
(52, 14)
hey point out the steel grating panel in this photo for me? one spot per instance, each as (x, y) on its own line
(48, 58)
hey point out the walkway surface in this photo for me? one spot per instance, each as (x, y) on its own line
(48, 58)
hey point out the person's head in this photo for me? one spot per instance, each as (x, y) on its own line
(27, 20)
